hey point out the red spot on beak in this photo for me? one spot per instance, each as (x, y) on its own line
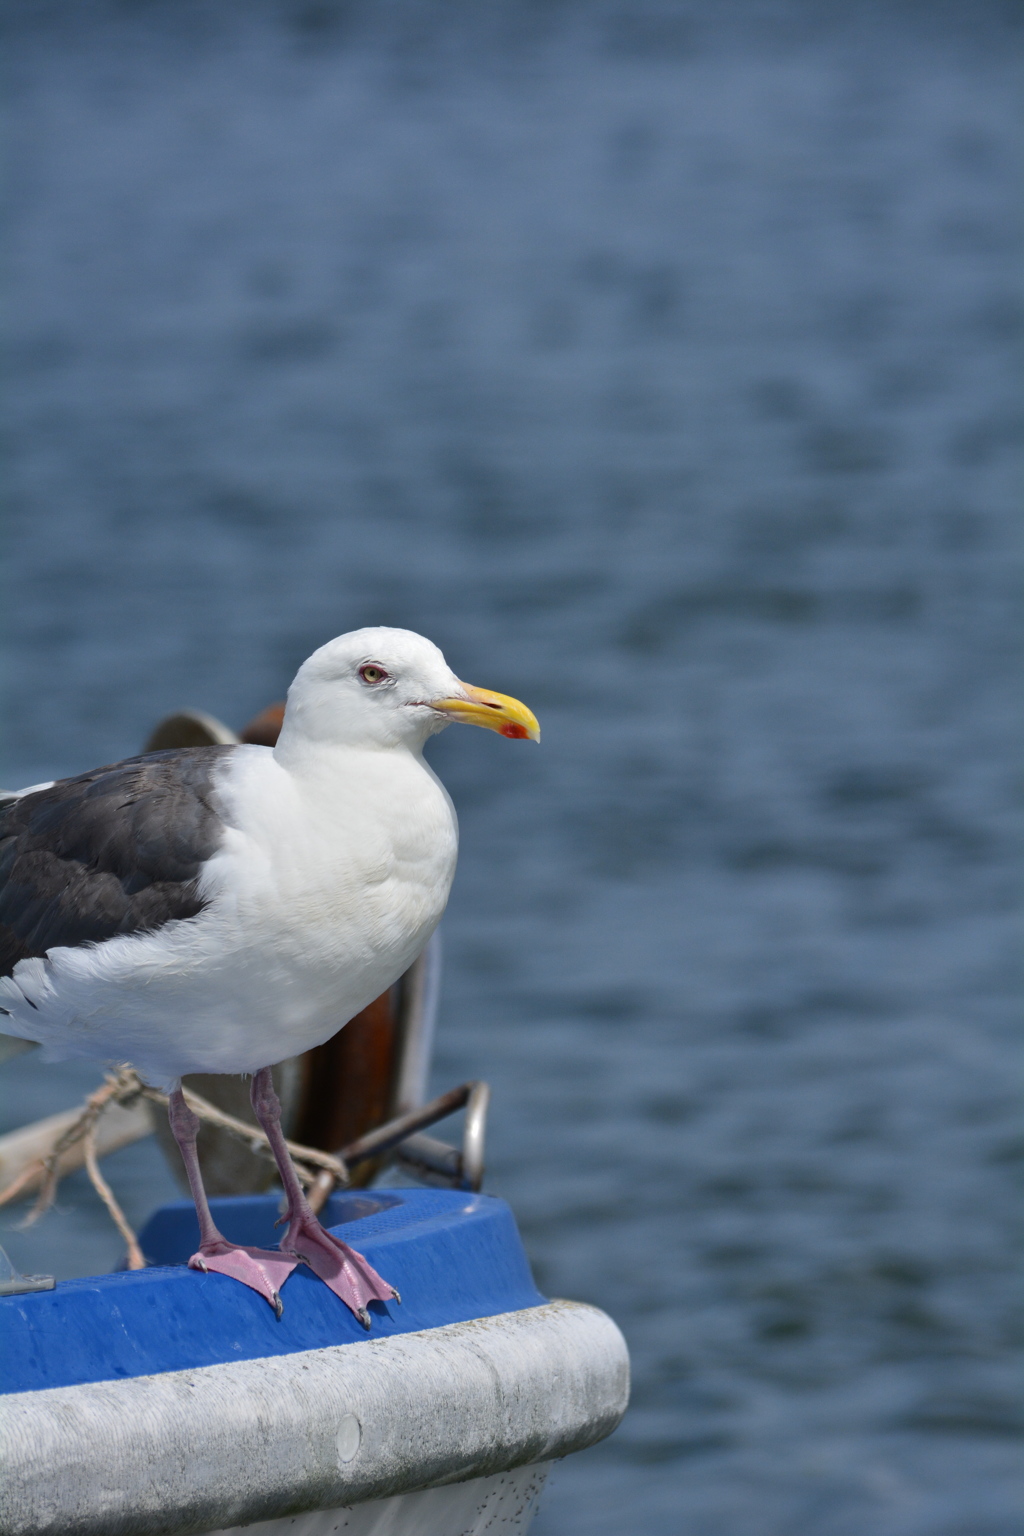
(517, 732)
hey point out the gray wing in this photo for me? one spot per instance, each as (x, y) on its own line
(115, 851)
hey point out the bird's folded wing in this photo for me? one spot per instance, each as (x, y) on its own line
(118, 850)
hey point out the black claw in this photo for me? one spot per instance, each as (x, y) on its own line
(278, 1305)
(364, 1317)
(396, 1296)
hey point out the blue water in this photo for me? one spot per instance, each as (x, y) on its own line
(657, 361)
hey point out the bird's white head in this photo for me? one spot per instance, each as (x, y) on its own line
(385, 688)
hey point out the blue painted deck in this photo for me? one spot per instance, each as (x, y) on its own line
(453, 1256)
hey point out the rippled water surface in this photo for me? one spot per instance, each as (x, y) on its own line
(656, 361)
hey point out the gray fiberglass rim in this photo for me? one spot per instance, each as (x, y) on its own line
(236, 1443)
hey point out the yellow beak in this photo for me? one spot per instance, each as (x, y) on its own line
(496, 711)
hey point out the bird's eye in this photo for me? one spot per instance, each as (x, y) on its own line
(371, 674)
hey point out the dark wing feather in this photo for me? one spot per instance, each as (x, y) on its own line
(117, 850)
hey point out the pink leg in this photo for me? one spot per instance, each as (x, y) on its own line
(347, 1273)
(259, 1268)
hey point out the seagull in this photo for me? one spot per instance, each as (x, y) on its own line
(220, 908)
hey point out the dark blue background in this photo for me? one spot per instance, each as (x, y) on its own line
(656, 361)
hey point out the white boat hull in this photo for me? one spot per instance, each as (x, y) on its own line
(302, 1437)
(505, 1503)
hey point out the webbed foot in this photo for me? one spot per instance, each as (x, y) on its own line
(346, 1272)
(259, 1268)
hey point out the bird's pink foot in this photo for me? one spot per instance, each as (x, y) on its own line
(340, 1267)
(259, 1268)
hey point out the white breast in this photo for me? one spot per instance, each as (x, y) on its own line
(347, 866)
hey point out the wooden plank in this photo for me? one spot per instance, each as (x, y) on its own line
(117, 1127)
